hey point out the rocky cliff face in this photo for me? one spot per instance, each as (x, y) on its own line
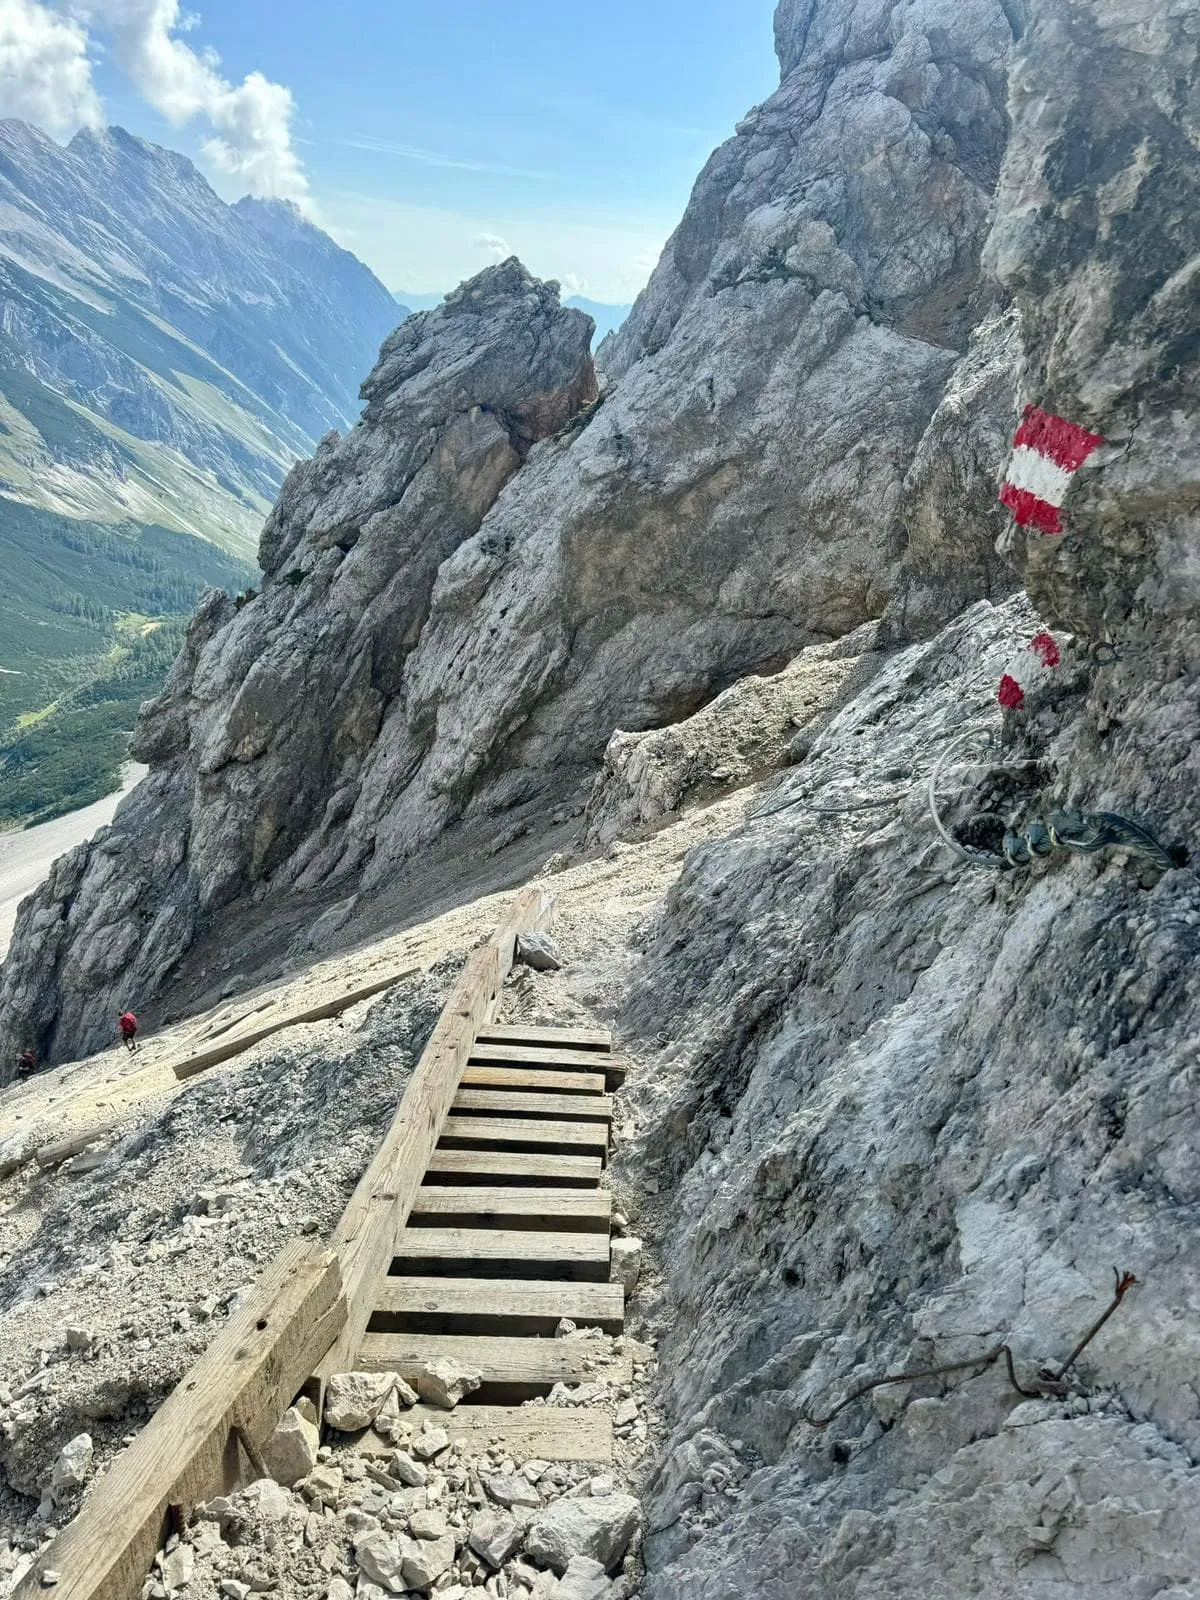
(919, 1108)
(742, 490)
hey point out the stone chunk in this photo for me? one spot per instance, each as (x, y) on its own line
(494, 1536)
(73, 1464)
(176, 1569)
(381, 1561)
(426, 1559)
(599, 1528)
(430, 1524)
(625, 1262)
(405, 1470)
(354, 1399)
(291, 1452)
(269, 1499)
(324, 1485)
(430, 1442)
(443, 1382)
(584, 1579)
(510, 1489)
(537, 950)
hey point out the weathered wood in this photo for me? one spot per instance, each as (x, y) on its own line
(379, 1206)
(521, 1166)
(485, 1054)
(498, 1102)
(245, 1379)
(514, 1077)
(232, 1044)
(531, 912)
(588, 1205)
(543, 1433)
(51, 1155)
(497, 1131)
(499, 1359)
(591, 1305)
(560, 1254)
(526, 1033)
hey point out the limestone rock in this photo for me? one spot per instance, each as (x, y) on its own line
(510, 1489)
(584, 1579)
(443, 1382)
(354, 1399)
(176, 1569)
(538, 950)
(600, 1529)
(625, 1262)
(430, 1524)
(291, 1452)
(381, 1560)
(407, 1471)
(430, 1442)
(267, 1499)
(495, 1536)
(426, 1559)
(74, 1462)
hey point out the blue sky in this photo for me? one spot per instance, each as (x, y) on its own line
(435, 138)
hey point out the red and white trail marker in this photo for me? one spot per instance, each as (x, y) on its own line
(1030, 667)
(1047, 453)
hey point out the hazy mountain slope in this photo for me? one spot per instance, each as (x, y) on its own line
(164, 358)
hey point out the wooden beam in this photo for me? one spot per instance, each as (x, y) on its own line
(547, 1056)
(244, 1380)
(232, 1044)
(441, 1200)
(531, 912)
(500, 1360)
(591, 1305)
(498, 1102)
(513, 1166)
(498, 1131)
(542, 1433)
(514, 1077)
(526, 1033)
(380, 1204)
(555, 1254)
(51, 1155)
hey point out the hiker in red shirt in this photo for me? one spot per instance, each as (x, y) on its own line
(26, 1065)
(128, 1025)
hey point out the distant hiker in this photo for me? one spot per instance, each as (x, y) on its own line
(128, 1025)
(26, 1065)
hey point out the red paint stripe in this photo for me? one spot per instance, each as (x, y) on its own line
(1030, 510)
(1010, 693)
(1066, 444)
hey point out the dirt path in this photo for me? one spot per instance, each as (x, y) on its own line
(27, 856)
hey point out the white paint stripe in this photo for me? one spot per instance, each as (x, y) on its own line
(1031, 470)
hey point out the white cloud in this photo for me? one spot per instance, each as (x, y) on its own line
(499, 249)
(45, 75)
(251, 122)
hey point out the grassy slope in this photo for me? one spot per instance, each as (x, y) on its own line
(79, 650)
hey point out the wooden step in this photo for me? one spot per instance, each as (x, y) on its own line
(483, 1053)
(502, 1252)
(500, 1360)
(471, 1305)
(550, 1208)
(515, 1077)
(528, 1433)
(499, 1102)
(500, 1131)
(526, 1033)
(511, 1166)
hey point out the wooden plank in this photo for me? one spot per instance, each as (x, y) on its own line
(531, 911)
(514, 1130)
(500, 1360)
(565, 1252)
(512, 1166)
(591, 1305)
(514, 1077)
(380, 1204)
(594, 1205)
(51, 1155)
(529, 1433)
(485, 1054)
(526, 1033)
(233, 1044)
(497, 1102)
(245, 1379)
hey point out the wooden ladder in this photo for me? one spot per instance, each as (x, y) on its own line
(507, 1235)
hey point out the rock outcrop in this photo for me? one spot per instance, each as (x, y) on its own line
(440, 641)
(924, 1107)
